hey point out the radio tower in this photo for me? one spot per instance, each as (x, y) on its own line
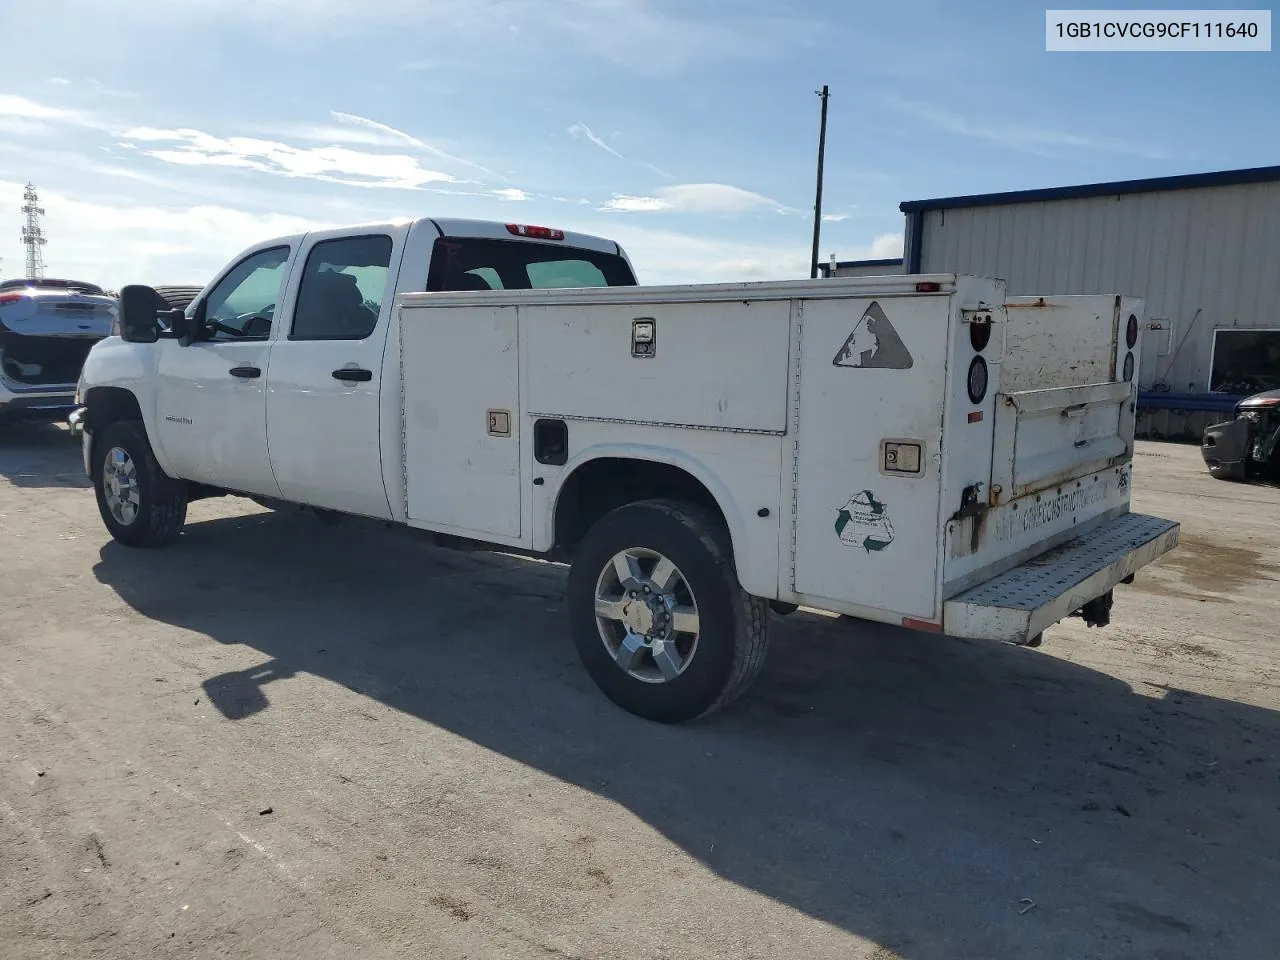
(32, 236)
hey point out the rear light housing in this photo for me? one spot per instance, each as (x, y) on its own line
(10, 297)
(534, 233)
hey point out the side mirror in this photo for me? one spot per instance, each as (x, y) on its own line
(187, 328)
(139, 322)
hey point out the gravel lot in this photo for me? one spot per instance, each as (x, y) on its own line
(286, 738)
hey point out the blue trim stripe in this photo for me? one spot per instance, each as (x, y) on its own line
(915, 224)
(1221, 178)
(1189, 402)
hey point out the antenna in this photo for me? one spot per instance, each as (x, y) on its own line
(33, 237)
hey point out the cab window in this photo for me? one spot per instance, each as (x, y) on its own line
(474, 263)
(342, 288)
(242, 304)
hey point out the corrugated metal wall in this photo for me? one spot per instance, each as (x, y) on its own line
(1203, 259)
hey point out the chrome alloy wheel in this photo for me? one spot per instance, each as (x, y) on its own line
(647, 615)
(120, 486)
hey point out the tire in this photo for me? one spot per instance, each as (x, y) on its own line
(691, 674)
(161, 502)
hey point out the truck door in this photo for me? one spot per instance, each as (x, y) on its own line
(326, 375)
(211, 421)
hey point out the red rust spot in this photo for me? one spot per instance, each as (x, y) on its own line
(911, 623)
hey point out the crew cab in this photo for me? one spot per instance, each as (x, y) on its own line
(909, 450)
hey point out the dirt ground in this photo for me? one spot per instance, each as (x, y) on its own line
(283, 738)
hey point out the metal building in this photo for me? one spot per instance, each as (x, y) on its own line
(1203, 250)
(861, 268)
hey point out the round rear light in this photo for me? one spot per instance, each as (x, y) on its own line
(977, 382)
(1131, 332)
(1128, 367)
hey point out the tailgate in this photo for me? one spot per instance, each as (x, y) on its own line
(1060, 437)
(1043, 437)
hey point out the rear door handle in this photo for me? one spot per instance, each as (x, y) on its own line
(246, 373)
(354, 374)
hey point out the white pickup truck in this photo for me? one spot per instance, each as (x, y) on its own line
(915, 450)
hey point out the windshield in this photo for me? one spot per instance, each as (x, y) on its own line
(477, 264)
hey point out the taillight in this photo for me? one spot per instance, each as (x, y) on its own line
(1131, 332)
(977, 380)
(535, 233)
(928, 286)
(10, 297)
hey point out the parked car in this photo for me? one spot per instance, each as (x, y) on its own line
(47, 328)
(1248, 445)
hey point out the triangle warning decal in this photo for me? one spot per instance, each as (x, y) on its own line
(874, 344)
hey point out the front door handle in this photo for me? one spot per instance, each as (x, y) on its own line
(246, 373)
(356, 374)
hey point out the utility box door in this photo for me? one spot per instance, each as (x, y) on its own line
(462, 419)
(871, 372)
(711, 364)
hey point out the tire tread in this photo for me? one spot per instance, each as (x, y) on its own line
(750, 614)
(164, 508)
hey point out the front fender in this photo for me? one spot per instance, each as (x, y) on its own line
(130, 367)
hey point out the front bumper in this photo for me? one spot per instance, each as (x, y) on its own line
(77, 420)
(1017, 606)
(42, 407)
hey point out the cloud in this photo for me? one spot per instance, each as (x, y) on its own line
(22, 108)
(887, 246)
(391, 135)
(118, 243)
(60, 81)
(834, 217)
(511, 193)
(668, 256)
(1033, 140)
(20, 117)
(707, 198)
(582, 130)
(331, 164)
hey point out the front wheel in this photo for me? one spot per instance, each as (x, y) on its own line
(658, 616)
(140, 504)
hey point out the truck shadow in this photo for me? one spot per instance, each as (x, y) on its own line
(36, 453)
(940, 797)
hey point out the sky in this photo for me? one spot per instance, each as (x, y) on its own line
(166, 136)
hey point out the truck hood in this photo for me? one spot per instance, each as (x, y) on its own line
(1269, 398)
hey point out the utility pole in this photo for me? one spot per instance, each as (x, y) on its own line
(817, 203)
(32, 236)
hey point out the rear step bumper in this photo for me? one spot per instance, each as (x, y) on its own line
(1017, 606)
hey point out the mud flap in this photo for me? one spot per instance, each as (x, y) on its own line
(1225, 448)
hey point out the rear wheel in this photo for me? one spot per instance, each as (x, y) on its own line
(140, 505)
(659, 619)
